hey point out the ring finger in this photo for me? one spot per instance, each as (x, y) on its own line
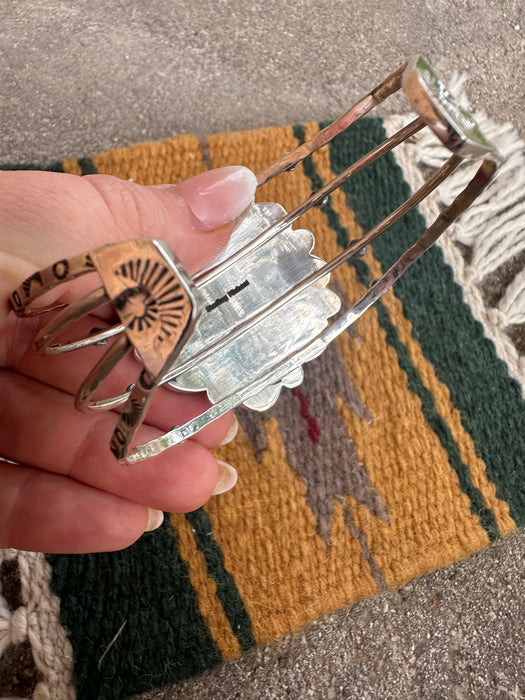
(38, 428)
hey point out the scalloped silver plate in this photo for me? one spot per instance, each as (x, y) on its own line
(239, 293)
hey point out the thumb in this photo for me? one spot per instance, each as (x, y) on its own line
(46, 217)
(212, 202)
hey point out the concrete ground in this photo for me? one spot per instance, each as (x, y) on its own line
(80, 77)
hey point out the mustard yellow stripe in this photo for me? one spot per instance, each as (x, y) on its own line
(154, 163)
(206, 588)
(70, 165)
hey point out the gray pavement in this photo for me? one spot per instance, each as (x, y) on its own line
(80, 77)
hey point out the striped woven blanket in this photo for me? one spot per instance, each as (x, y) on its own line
(402, 451)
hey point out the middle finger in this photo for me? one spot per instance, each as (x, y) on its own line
(38, 428)
(66, 371)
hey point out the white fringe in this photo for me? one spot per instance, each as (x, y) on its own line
(493, 227)
(38, 620)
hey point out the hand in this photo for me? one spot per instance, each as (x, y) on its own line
(67, 492)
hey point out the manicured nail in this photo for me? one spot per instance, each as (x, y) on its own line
(218, 196)
(232, 432)
(227, 478)
(155, 519)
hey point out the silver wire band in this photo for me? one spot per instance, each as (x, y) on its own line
(179, 434)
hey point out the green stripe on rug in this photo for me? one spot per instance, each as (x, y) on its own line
(227, 592)
(121, 608)
(415, 383)
(451, 339)
(87, 166)
(52, 167)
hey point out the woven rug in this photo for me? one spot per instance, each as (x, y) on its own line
(401, 452)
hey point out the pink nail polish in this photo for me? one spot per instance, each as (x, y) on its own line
(155, 519)
(218, 196)
(227, 478)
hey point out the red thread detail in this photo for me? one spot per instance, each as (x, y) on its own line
(314, 429)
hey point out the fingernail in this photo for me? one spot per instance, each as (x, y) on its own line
(155, 519)
(232, 432)
(227, 478)
(218, 196)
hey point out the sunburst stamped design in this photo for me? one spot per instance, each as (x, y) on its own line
(153, 299)
(149, 296)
